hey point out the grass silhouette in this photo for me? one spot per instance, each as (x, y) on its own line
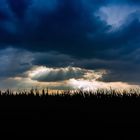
(78, 109)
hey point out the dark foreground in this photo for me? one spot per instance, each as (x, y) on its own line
(80, 114)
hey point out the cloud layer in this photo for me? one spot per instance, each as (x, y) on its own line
(43, 74)
(86, 34)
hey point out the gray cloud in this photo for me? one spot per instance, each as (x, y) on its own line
(14, 62)
(52, 59)
(55, 75)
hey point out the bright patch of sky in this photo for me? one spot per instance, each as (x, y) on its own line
(116, 15)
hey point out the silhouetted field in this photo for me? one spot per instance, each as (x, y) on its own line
(69, 111)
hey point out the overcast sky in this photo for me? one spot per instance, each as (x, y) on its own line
(65, 44)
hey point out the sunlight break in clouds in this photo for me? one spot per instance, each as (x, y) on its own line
(116, 15)
(86, 80)
(74, 78)
(95, 85)
(44, 74)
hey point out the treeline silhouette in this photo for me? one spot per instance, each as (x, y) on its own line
(40, 108)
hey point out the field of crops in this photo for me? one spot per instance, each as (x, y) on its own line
(79, 110)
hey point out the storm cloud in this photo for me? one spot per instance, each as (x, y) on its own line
(88, 34)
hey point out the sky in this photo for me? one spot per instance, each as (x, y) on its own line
(69, 44)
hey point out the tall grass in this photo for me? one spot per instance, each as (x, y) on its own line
(100, 93)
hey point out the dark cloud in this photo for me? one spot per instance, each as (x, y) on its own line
(62, 33)
(66, 26)
(53, 59)
(19, 7)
